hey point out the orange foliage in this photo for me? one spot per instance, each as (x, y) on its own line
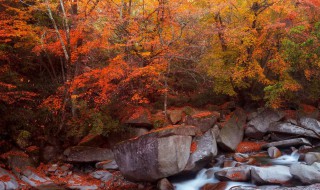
(193, 147)
(246, 147)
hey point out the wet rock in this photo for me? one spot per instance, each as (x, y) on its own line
(101, 175)
(232, 133)
(203, 120)
(306, 174)
(289, 128)
(259, 125)
(311, 124)
(312, 157)
(107, 165)
(205, 149)
(7, 180)
(239, 157)
(241, 173)
(229, 163)
(164, 184)
(215, 186)
(270, 175)
(87, 154)
(288, 143)
(155, 155)
(274, 152)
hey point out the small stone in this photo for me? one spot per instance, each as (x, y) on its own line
(107, 165)
(164, 184)
(53, 168)
(241, 157)
(312, 157)
(274, 152)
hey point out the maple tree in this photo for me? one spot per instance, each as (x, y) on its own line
(83, 60)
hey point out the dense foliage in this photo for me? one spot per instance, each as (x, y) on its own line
(70, 66)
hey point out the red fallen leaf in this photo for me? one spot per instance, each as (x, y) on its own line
(5, 178)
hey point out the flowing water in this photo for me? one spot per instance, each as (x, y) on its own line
(201, 179)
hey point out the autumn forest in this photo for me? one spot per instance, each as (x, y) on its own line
(90, 71)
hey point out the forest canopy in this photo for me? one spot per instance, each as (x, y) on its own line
(70, 67)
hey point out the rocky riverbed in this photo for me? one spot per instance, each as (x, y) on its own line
(224, 149)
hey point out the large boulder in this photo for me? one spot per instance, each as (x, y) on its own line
(289, 128)
(241, 173)
(7, 180)
(312, 157)
(87, 154)
(205, 149)
(232, 132)
(311, 124)
(203, 120)
(156, 155)
(306, 174)
(259, 125)
(270, 175)
(287, 143)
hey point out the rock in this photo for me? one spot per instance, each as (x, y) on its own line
(137, 131)
(270, 175)
(311, 124)
(288, 143)
(35, 179)
(259, 125)
(306, 174)
(312, 157)
(49, 153)
(164, 184)
(274, 152)
(203, 120)
(239, 157)
(87, 154)
(92, 140)
(18, 161)
(205, 150)
(215, 186)
(107, 165)
(101, 175)
(289, 128)
(248, 147)
(156, 155)
(53, 168)
(175, 116)
(141, 117)
(7, 180)
(229, 163)
(241, 173)
(232, 133)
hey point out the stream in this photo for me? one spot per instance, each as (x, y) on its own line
(202, 179)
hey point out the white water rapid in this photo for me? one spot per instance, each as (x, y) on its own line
(201, 179)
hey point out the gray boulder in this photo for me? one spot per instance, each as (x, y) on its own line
(288, 143)
(311, 124)
(206, 149)
(291, 129)
(312, 157)
(232, 133)
(306, 174)
(101, 175)
(156, 155)
(203, 120)
(259, 125)
(270, 175)
(87, 154)
(7, 180)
